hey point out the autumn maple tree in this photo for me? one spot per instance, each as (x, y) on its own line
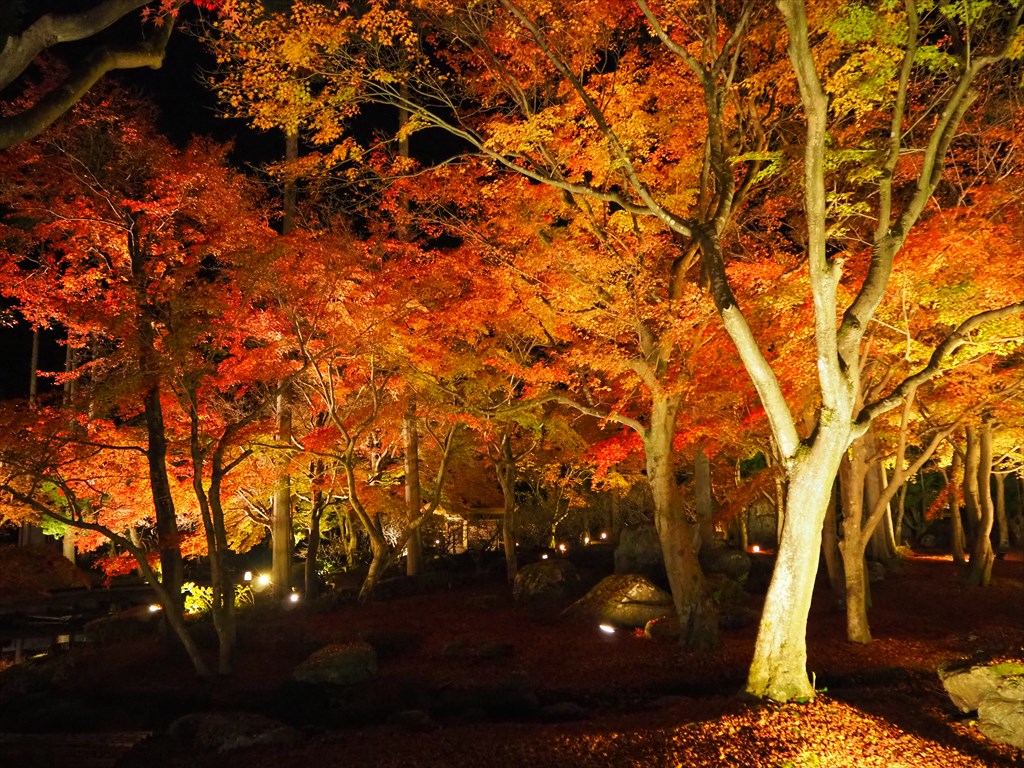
(571, 101)
(147, 257)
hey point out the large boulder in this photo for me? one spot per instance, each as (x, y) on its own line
(996, 692)
(339, 664)
(623, 600)
(546, 581)
(734, 563)
(639, 551)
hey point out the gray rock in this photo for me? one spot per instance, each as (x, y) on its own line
(1001, 714)
(967, 686)
(876, 571)
(733, 563)
(623, 600)
(226, 731)
(340, 664)
(996, 691)
(545, 581)
(639, 551)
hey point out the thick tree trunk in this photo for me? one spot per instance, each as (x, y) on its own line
(413, 498)
(779, 668)
(679, 534)
(980, 571)
(381, 559)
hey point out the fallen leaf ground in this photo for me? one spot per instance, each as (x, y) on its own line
(636, 702)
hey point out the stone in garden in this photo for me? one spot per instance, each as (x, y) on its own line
(545, 581)
(967, 686)
(623, 600)
(996, 691)
(340, 664)
(1001, 714)
(226, 731)
(639, 551)
(733, 563)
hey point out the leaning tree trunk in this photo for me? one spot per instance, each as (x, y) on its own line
(381, 559)
(779, 668)
(679, 534)
(980, 571)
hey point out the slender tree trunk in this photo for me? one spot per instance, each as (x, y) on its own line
(1002, 523)
(830, 547)
(413, 497)
(956, 522)
(281, 510)
(853, 473)
(703, 499)
(316, 509)
(972, 498)
(679, 534)
(980, 571)
(507, 470)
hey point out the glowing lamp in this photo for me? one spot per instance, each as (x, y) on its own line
(561, 547)
(604, 535)
(153, 608)
(608, 629)
(586, 539)
(294, 597)
(544, 556)
(247, 576)
(755, 549)
(263, 580)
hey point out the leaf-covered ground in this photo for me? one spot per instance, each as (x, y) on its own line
(615, 700)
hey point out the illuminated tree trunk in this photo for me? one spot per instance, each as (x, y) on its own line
(281, 513)
(1002, 523)
(830, 548)
(979, 573)
(779, 668)
(281, 536)
(413, 496)
(679, 533)
(316, 510)
(956, 521)
(853, 473)
(505, 463)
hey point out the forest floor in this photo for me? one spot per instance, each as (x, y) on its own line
(610, 700)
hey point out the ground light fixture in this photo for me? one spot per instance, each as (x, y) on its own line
(247, 576)
(153, 608)
(294, 597)
(263, 580)
(608, 629)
